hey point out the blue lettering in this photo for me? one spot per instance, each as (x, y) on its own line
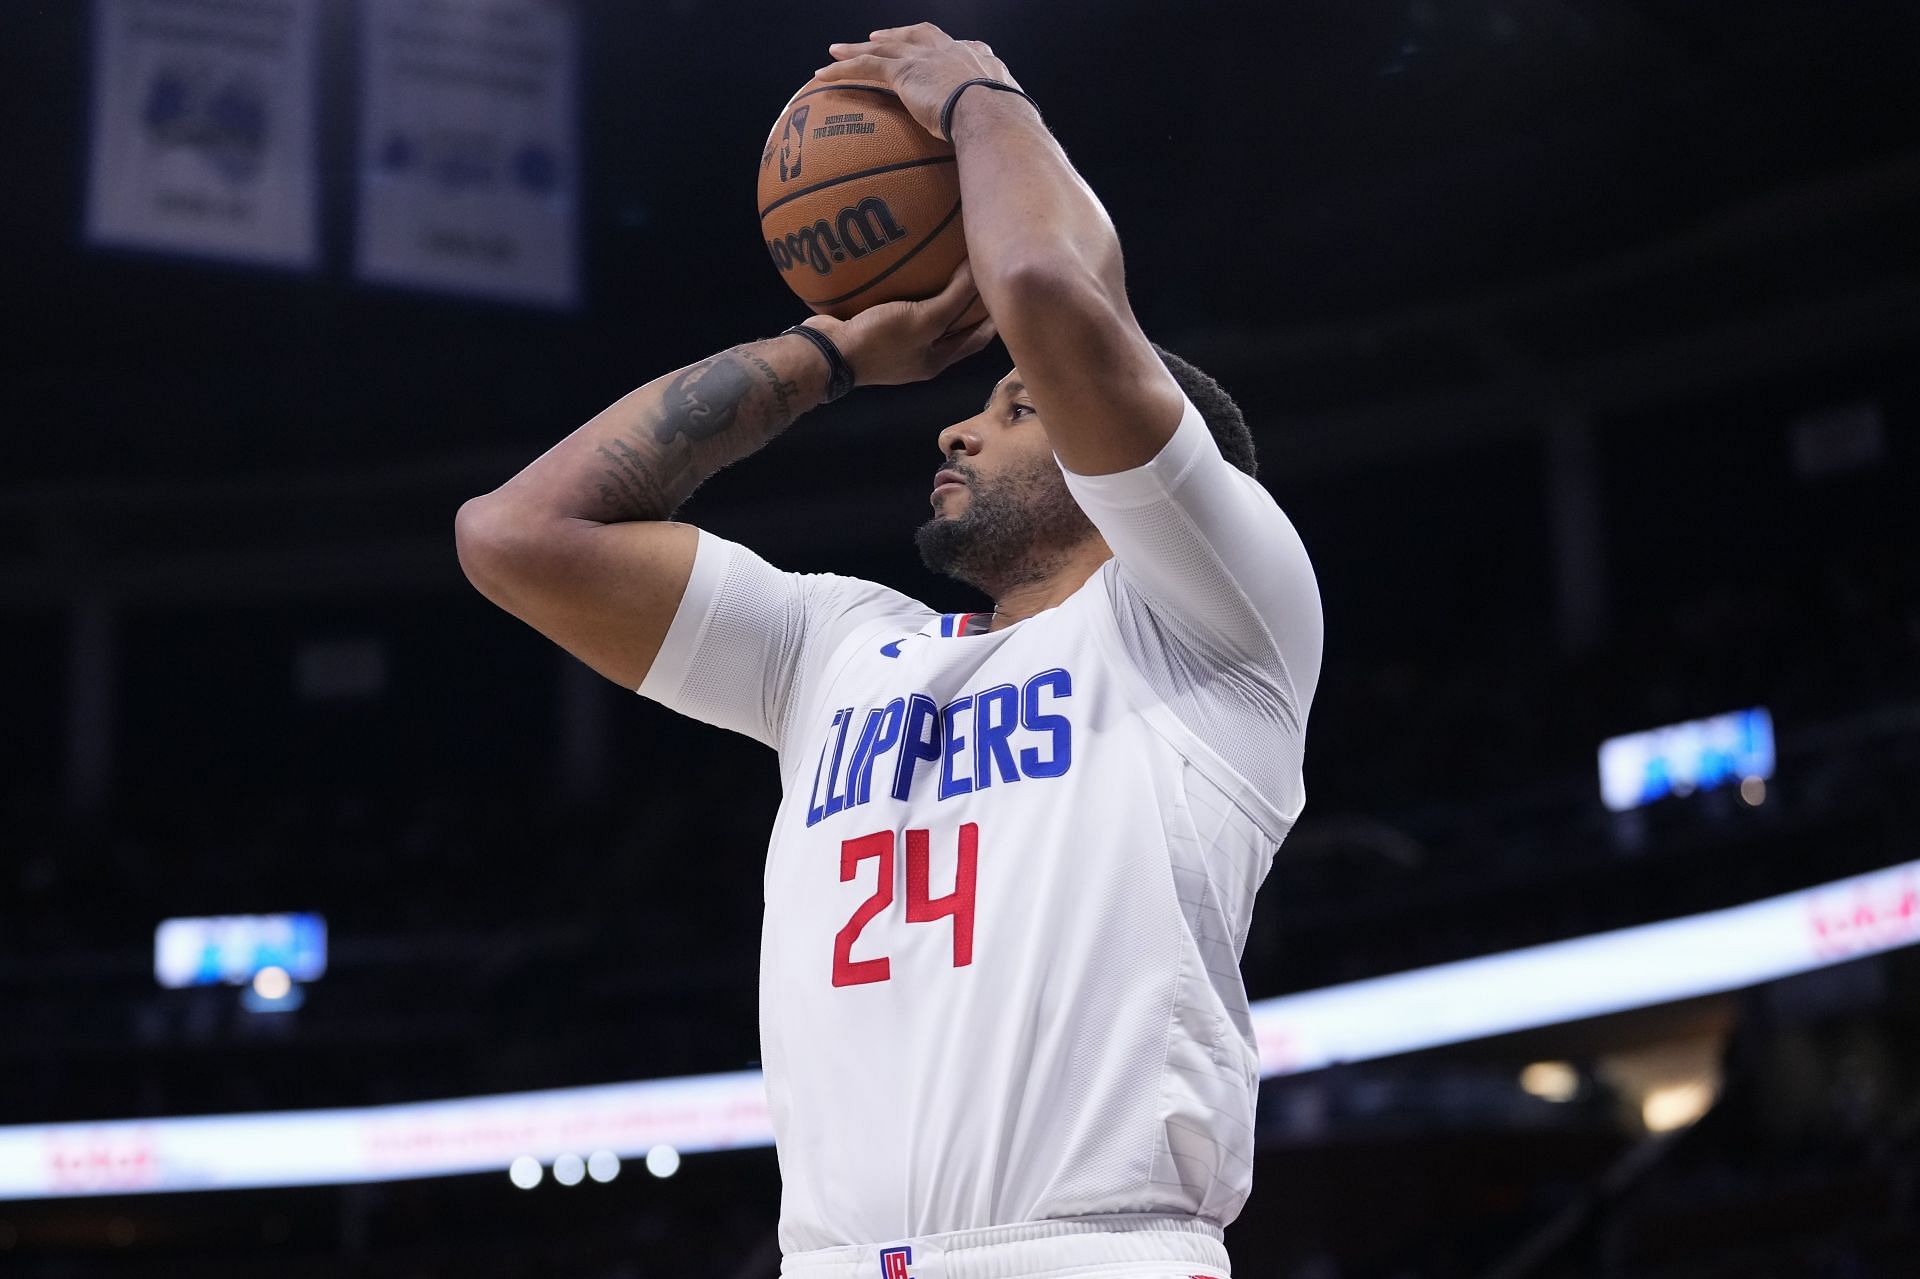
(996, 713)
(862, 755)
(1060, 683)
(817, 810)
(835, 802)
(970, 739)
(952, 743)
(887, 737)
(920, 741)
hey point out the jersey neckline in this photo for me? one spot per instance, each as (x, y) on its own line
(962, 625)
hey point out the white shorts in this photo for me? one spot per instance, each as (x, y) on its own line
(1138, 1247)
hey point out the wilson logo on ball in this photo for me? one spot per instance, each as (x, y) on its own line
(856, 231)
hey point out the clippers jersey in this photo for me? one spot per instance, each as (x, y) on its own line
(1011, 875)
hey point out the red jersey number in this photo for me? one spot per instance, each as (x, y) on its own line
(922, 906)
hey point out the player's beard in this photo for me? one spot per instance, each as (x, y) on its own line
(1018, 528)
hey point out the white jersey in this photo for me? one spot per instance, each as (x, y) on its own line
(1010, 880)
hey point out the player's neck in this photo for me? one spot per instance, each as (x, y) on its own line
(1065, 577)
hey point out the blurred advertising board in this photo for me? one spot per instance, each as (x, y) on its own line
(1561, 981)
(230, 949)
(1639, 768)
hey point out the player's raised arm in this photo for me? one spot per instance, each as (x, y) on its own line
(580, 545)
(1044, 253)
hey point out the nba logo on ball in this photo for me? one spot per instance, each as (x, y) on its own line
(894, 1262)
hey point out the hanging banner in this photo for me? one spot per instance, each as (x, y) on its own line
(469, 160)
(203, 128)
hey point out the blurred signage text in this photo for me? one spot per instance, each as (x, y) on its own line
(203, 129)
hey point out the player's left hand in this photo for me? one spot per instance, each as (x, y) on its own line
(921, 63)
(893, 343)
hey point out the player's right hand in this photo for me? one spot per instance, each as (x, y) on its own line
(898, 342)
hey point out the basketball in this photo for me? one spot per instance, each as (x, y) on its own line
(858, 203)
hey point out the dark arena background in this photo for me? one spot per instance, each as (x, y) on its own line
(1580, 339)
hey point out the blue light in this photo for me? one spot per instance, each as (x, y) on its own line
(1701, 754)
(230, 949)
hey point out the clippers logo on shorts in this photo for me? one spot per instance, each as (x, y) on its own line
(894, 1262)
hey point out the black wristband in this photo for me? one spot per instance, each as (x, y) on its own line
(839, 372)
(953, 100)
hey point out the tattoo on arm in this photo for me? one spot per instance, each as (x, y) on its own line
(782, 390)
(629, 490)
(708, 415)
(702, 402)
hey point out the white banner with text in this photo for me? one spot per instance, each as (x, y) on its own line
(203, 129)
(469, 150)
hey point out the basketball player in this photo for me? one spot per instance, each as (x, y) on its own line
(1002, 1021)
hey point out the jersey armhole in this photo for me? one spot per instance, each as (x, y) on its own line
(1153, 709)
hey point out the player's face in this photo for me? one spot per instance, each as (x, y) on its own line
(1000, 507)
(1005, 437)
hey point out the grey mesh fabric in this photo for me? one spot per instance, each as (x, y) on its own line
(1216, 603)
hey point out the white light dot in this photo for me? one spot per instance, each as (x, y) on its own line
(1551, 1080)
(603, 1165)
(663, 1161)
(525, 1171)
(272, 983)
(1754, 791)
(569, 1170)
(1676, 1105)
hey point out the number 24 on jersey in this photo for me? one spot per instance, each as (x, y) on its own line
(922, 906)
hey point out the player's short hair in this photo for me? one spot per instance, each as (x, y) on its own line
(1217, 409)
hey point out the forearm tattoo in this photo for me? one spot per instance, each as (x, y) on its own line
(783, 390)
(629, 491)
(707, 416)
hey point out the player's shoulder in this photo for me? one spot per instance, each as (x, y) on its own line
(820, 594)
(838, 605)
(1159, 636)
(859, 592)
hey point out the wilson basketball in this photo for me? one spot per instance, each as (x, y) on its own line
(858, 203)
